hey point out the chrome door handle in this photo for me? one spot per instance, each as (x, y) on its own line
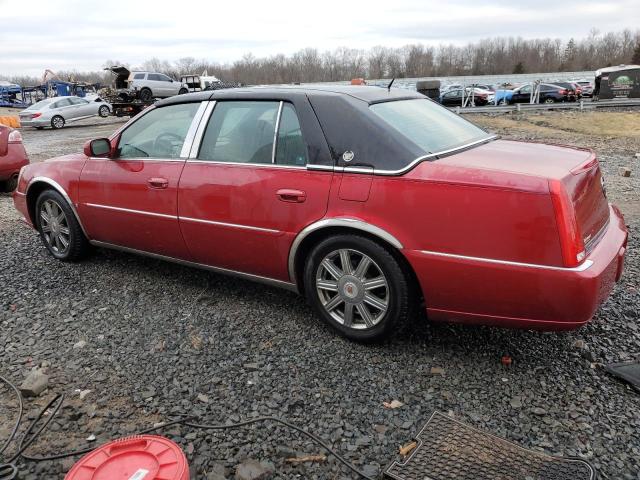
(158, 183)
(289, 195)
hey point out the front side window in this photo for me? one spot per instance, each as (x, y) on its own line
(428, 125)
(154, 76)
(158, 134)
(240, 132)
(164, 78)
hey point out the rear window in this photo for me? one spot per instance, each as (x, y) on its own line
(431, 127)
(40, 105)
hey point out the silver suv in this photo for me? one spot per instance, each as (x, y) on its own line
(146, 85)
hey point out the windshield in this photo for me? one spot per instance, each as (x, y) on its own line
(40, 104)
(430, 126)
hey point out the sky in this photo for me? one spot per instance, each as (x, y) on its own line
(82, 36)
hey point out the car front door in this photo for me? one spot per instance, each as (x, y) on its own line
(242, 197)
(84, 108)
(131, 200)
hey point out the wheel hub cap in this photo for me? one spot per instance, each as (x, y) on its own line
(352, 288)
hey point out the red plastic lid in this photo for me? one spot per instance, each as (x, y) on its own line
(146, 457)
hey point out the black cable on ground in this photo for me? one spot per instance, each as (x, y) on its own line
(22, 446)
(20, 411)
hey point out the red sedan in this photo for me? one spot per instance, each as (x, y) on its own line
(12, 158)
(371, 202)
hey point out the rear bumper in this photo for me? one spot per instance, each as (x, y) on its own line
(34, 122)
(15, 159)
(509, 294)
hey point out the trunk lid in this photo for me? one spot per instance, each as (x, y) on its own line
(576, 170)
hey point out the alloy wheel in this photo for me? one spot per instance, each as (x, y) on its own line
(352, 288)
(58, 122)
(55, 227)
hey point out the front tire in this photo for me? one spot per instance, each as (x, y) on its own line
(57, 122)
(183, 91)
(146, 95)
(59, 230)
(549, 100)
(359, 288)
(104, 111)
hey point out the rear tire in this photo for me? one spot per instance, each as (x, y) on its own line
(58, 227)
(57, 122)
(146, 95)
(368, 299)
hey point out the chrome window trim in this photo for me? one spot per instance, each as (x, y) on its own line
(199, 133)
(140, 159)
(435, 154)
(230, 225)
(248, 276)
(323, 168)
(62, 192)
(191, 133)
(337, 222)
(580, 268)
(244, 164)
(131, 121)
(128, 210)
(275, 133)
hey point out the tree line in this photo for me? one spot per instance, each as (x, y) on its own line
(491, 56)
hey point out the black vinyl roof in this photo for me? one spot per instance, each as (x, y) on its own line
(344, 117)
(365, 93)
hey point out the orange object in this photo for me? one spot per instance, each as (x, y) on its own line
(147, 457)
(358, 81)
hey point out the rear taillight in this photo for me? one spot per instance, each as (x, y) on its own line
(563, 92)
(15, 137)
(36, 115)
(571, 242)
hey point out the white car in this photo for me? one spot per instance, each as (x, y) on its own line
(56, 112)
(146, 85)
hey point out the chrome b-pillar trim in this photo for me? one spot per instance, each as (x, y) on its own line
(337, 222)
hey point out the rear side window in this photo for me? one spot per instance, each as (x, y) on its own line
(240, 132)
(62, 103)
(139, 76)
(429, 126)
(155, 76)
(291, 148)
(159, 133)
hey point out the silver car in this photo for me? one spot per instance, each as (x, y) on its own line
(56, 112)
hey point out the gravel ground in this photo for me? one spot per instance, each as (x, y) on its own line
(153, 340)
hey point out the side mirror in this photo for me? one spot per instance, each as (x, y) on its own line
(100, 147)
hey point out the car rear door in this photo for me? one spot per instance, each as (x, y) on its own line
(131, 200)
(249, 185)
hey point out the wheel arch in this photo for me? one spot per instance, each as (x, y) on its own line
(38, 185)
(322, 229)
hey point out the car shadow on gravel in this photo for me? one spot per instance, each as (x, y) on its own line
(466, 340)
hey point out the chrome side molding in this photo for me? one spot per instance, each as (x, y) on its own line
(246, 276)
(580, 268)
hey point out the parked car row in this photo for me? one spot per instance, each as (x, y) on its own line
(483, 94)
